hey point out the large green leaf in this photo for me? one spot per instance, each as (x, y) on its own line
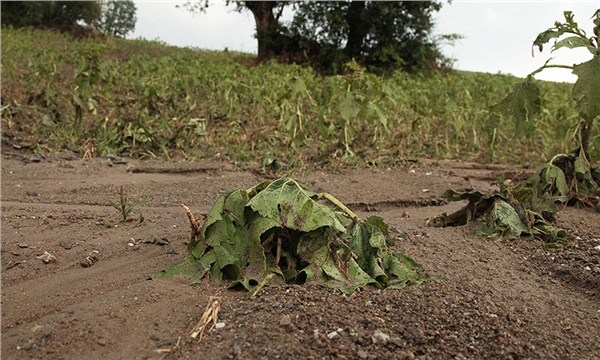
(554, 177)
(572, 42)
(586, 91)
(508, 221)
(516, 217)
(522, 104)
(349, 107)
(367, 243)
(295, 207)
(403, 270)
(546, 36)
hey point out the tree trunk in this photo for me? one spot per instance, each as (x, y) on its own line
(266, 27)
(356, 29)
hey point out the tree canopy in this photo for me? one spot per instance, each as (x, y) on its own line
(118, 17)
(59, 14)
(378, 34)
(327, 34)
(112, 17)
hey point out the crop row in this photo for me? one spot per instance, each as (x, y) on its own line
(147, 99)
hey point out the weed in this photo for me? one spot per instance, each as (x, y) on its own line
(124, 207)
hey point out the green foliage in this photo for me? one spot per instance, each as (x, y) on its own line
(327, 34)
(376, 34)
(87, 76)
(49, 13)
(578, 38)
(508, 214)
(118, 17)
(586, 91)
(523, 104)
(528, 208)
(123, 205)
(145, 99)
(280, 228)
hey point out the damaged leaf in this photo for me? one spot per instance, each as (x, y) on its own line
(281, 232)
(507, 214)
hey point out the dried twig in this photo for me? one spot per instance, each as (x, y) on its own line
(193, 223)
(210, 315)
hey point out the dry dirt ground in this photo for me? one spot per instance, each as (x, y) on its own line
(497, 299)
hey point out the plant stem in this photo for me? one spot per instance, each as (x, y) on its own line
(261, 285)
(559, 156)
(546, 66)
(585, 132)
(339, 204)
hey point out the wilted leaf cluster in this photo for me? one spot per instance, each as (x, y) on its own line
(281, 228)
(566, 179)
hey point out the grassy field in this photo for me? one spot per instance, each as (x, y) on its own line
(146, 99)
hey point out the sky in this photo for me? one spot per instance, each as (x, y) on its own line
(498, 35)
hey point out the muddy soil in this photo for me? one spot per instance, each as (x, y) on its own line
(504, 299)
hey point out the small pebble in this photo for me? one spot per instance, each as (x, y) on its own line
(362, 354)
(380, 337)
(67, 245)
(88, 261)
(286, 320)
(219, 325)
(47, 258)
(332, 335)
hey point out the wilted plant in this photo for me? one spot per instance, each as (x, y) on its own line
(527, 209)
(524, 103)
(281, 231)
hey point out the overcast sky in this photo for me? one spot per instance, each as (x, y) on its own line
(497, 34)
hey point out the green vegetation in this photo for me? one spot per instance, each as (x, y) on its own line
(124, 207)
(380, 35)
(568, 178)
(280, 228)
(49, 14)
(118, 17)
(147, 100)
(110, 17)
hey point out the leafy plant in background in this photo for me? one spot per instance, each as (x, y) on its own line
(124, 207)
(527, 208)
(281, 229)
(523, 104)
(353, 98)
(149, 95)
(87, 75)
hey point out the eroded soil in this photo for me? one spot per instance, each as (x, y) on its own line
(497, 299)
